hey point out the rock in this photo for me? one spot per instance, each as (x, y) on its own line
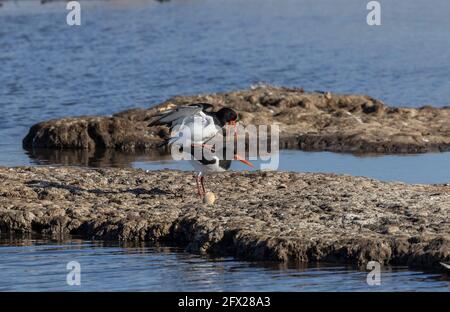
(315, 217)
(92, 132)
(315, 121)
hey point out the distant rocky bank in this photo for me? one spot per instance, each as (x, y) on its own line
(314, 121)
(258, 215)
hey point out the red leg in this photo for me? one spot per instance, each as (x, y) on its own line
(199, 191)
(202, 180)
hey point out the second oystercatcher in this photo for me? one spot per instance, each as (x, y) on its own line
(212, 163)
(203, 125)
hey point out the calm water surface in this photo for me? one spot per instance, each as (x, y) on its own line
(41, 266)
(138, 53)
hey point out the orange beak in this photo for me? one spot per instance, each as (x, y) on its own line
(243, 160)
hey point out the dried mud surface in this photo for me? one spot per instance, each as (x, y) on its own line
(257, 215)
(315, 121)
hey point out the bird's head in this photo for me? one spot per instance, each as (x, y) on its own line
(227, 116)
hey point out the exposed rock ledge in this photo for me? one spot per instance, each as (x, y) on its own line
(309, 121)
(259, 216)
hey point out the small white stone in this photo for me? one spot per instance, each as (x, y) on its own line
(209, 198)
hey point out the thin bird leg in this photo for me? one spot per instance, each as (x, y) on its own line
(199, 191)
(202, 180)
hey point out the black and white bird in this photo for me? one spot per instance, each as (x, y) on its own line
(203, 125)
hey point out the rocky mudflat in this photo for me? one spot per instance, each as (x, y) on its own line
(318, 121)
(257, 216)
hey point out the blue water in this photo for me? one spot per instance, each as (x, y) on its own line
(426, 168)
(36, 265)
(422, 168)
(138, 53)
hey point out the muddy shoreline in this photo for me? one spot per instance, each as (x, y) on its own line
(258, 215)
(310, 121)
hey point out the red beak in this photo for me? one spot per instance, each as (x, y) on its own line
(243, 160)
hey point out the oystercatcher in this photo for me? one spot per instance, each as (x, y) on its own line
(212, 163)
(203, 125)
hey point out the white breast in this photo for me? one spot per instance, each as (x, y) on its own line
(205, 169)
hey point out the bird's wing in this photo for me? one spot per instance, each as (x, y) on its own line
(187, 124)
(210, 129)
(188, 119)
(193, 129)
(177, 114)
(206, 107)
